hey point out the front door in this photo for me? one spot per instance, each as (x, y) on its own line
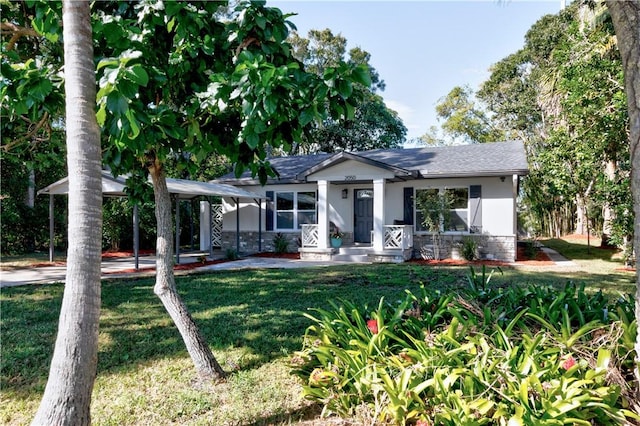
(363, 218)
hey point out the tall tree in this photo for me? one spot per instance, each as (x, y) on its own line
(626, 21)
(177, 80)
(67, 396)
(464, 120)
(32, 147)
(562, 93)
(373, 124)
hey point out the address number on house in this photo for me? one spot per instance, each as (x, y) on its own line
(350, 177)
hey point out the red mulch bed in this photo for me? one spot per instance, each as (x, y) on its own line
(181, 267)
(457, 262)
(109, 254)
(541, 259)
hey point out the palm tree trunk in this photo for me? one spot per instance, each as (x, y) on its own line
(67, 396)
(626, 22)
(165, 287)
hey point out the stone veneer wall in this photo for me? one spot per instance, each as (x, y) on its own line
(249, 241)
(502, 248)
(497, 247)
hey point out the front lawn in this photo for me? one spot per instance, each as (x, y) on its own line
(253, 321)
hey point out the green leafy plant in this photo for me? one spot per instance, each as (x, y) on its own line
(280, 243)
(469, 248)
(335, 233)
(492, 355)
(231, 254)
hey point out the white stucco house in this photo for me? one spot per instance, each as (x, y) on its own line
(369, 196)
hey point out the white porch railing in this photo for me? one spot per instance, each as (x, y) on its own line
(395, 236)
(309, 235)
(398, 237)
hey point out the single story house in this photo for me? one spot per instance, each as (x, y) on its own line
(369, 198)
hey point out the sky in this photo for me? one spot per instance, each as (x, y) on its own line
(423, 49)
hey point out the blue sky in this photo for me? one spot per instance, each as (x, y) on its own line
(422, 49)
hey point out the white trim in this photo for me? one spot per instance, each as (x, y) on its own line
(323, 214)
(378, 214)
(295, 211)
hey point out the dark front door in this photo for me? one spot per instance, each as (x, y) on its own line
(363, 218)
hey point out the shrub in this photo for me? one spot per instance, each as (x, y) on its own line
(280, 243)
(530, 249)
(231, 254)
(469, 248)
(508, 357)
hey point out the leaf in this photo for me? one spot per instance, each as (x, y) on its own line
(261, 21)
(137, 74)
(116, 103)
(129, 55)
(251, 139)
(344, 88)
(362, 75)
(110, 62)
(307, 116)
(101, 115)
(270, 104)
(133, 123)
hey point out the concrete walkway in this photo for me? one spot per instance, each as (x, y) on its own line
(558, 259)
(122, 267)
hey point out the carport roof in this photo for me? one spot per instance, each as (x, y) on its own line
(184, 189)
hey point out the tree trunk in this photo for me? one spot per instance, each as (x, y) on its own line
(67, 396)
(165, 287)
(581, 216)
(607, 211)
(626, 22)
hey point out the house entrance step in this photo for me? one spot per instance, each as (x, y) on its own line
(355, 250)
(354, 258)
(355, 254)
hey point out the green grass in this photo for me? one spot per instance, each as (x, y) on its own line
(589, 257)
(252, 320)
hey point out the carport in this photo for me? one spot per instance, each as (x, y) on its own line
(181, 189)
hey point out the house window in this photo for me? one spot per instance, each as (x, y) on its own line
(294, 209)
(458, 199)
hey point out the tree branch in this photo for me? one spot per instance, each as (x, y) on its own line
(17, 32)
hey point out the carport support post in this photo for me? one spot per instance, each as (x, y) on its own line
(237, 201)
(177, 230)
(51, 236)
(136, 236)
(259, 202)
(210, 228)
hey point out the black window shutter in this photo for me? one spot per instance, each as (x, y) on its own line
(475, 208)
(269, 211)
(408, 206)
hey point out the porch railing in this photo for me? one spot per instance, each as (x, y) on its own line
(395, 236)
(398, 237)
(309, 235)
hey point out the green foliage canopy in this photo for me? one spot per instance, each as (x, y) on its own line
(373, 125)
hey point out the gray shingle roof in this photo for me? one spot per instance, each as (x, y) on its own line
(487, 159)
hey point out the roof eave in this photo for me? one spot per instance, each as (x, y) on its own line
(488, 173)
(346, 156)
